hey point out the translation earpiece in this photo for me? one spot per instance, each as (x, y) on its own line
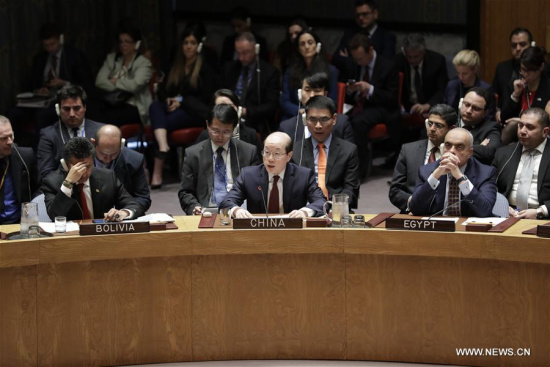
(61, 39)
(257, 49)
(199, 49)
(533, 43)
(318, 47)
(122, 143)
(138, 44)
(304, 119)
(299, 95)
(239, 112)
(57, 110)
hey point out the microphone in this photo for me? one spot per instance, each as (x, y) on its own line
(450, 206)
(263, 200)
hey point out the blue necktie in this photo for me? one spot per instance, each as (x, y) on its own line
(219, 178)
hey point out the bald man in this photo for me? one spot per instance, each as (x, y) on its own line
(457, 184)
(276, 186)
(127, 164)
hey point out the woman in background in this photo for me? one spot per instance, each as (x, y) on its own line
(286, 51)
(183, 100)
(310, 59)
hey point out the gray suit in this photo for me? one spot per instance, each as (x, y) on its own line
(405, 174)
(197, 178)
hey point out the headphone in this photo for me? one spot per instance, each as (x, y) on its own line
(257, 49)
(138, 43)
(318, 48)
(460, 124)
(248, 22)
(61, 39)
(57, 112)
(533, 43)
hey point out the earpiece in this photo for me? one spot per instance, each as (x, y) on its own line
(199, 49)
(426, 122)
(61, 39)
(533, 43)
(318, 47)
(304, 119)
(57, 110)
(239, 112)
(64, 164)
(299, 95)
(460, 103)
(403, 50)
(257, 49)
(122, 143)
(248, 22)
(138, 44)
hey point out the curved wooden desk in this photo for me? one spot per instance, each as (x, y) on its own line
(368, 294)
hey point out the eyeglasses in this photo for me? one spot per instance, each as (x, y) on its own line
(276, 155)
(438, 125)
(69, 108)
(225, 134)
(5, 139)
(472, 106)
(322, 120)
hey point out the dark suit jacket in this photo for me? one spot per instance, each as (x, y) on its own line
(73, 67)
(197, 178)
(107, 192)
(426, 201)
(257, 113)
(52, 139)
(342, 129)
(130, 172)
(434, 78)
(246, 134)
(382, 41)
(299, 190)
(405, 173)
(490, 130)
(506, 171)
(542, 95)
(342, 172)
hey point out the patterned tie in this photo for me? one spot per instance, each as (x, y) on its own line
(53, 68)
(84, 203)
(453, 198)
(418, 85)
(360, 105)
(322, 168)
(524, 186)
(75, 132)
(220, 186)
(273, 205)
(431, 158)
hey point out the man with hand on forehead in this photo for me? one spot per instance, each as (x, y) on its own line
(457, 184)
(276, 186)
(78, 190)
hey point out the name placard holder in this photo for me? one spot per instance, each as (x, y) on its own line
(267, 223)
(543, 231)
(90, 229)
(421, 224)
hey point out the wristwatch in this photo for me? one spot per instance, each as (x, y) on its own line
(540, 213)
(462, 179)
(68, 184)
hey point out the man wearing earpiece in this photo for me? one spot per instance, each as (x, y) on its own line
(441, 119)
(71, 105)
(128, 165)
(255, 82)
(523, 169)
(315, 84)
(334, 160)
(81, 191)
(19, 180)
(211, 166)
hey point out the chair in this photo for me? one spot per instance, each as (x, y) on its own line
(500, 209)
(42, 212)
(183, 138)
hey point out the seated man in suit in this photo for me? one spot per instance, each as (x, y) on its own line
(128, 165)
(19, 181)
(474, 117)
(441, 118)
(211, 166)
(457, 184)
(524, 168)
(334, 160)
(315, 84)
(374, 95)
(425, 75)
(80, 191)
(71, 105)
(256, 85)
(284, 186)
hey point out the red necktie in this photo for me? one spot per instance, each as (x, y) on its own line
(360, 105)
(84, 203)
(273, 206)
(431, 158)
(322, 168)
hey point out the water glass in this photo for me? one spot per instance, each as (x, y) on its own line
(225, 218)
(29, 220)
(60, 224)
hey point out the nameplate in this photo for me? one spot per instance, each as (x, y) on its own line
(421, 224)
(91, 229)
(543, 231)
(267, 223)
(478, 227)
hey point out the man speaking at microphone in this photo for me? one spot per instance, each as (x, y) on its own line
(276, 186)
(457, 184)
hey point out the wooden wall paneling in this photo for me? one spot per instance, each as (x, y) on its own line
(18, 316)
(269, 307)
(420, 309)
(115, 312)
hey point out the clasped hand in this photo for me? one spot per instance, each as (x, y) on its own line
(448, 164)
